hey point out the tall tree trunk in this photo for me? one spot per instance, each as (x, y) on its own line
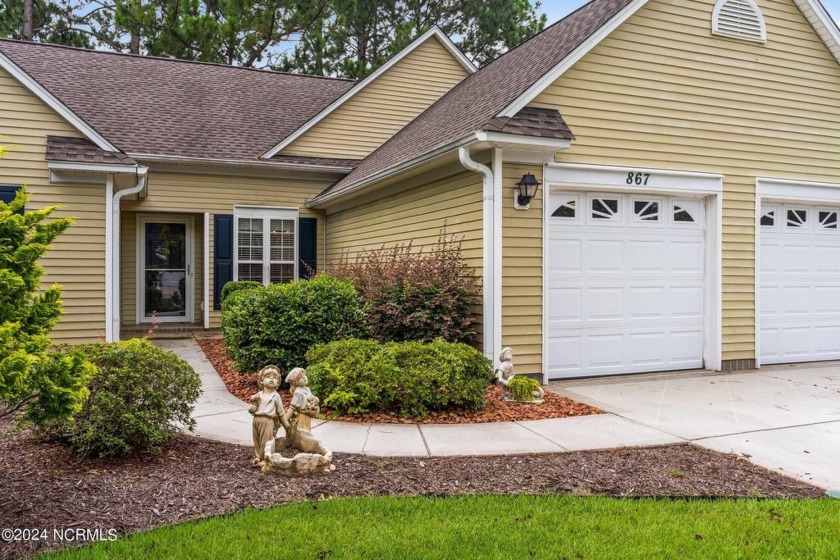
(134, 41)
(27, 20)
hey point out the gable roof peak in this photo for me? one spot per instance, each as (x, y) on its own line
(435, 32)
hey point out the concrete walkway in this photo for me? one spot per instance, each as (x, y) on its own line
(221, 416)
(784, 418)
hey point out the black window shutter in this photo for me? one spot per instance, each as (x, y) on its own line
(222, 255)
(307, 229)
(7, 194)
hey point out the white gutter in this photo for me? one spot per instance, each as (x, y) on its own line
(391, 171)
(112, 256)
(488, 250)
(238, 164)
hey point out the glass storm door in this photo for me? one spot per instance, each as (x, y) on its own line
(166, 269)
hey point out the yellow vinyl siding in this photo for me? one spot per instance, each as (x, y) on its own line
(662, 92)
(522, 272)
(416, 215)
(77, 259)
(193, 194)
(377, 112)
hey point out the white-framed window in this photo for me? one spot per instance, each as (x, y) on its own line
(687, 213)
(647, 210)
(265, 244)
(569, 208)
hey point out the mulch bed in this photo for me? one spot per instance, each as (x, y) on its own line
(243, 386)
(44, 486)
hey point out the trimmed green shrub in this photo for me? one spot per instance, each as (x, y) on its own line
(42, 385)
(137, 395)
(415, 295)
(233, 287)
(522, 388)
(279, 323)
(407, 378)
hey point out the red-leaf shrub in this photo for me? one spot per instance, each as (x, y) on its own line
(415, 295)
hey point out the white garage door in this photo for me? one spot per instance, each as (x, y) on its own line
(625, 284)
(799, 296)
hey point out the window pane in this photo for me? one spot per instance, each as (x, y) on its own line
(796, 218)
(282, 240)
(769, 218)
(282, 273)
(828, 220)
(250, 271)
(250, 239)
(166, 246)
(166, 293)
(566, 210)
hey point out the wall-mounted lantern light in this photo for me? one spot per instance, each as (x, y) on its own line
(525, 190)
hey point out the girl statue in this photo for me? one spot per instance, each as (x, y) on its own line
(267, 410)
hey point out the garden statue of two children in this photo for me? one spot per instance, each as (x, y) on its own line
(269, 415)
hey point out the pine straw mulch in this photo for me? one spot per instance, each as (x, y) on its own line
(44, 486)
(243, 386)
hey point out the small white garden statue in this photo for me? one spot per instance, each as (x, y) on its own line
(505, 374)
(313, 456)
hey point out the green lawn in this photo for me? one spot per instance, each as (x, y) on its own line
(500, 527)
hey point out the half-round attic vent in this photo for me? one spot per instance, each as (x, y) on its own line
(739, 19)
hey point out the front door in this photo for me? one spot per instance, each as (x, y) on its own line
(165, 275)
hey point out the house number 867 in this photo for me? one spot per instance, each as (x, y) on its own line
(637, 178)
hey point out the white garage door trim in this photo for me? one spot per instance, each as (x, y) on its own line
(783, 190)
(560, 177)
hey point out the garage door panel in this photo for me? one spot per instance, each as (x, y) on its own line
(648, 302)
(827, 299)
(637, 301)
(687, 302)
(800, 285)
(686, 256)
(605, 256)
(647, 256)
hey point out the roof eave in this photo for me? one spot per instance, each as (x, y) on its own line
(479, 139)
(241, 164)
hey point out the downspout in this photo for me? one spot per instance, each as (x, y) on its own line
(489, 252)
(113, 227)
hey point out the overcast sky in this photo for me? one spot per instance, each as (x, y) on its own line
(556, 9)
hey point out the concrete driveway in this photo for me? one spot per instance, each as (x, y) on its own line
(785, 418)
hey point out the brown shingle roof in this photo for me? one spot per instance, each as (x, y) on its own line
(533, 121)
(475, 102)
(82, 150)
(170, 107)
(320, 161)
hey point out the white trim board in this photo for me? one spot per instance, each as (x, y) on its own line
(709, 186)
(52, 101)
(433, 32)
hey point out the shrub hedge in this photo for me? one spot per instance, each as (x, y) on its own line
(137, 395)
(415, 294)
(233, 287)
(279, 323)
(407, 378)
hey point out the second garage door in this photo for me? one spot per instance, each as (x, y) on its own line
(625, 284)
(799, 283)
